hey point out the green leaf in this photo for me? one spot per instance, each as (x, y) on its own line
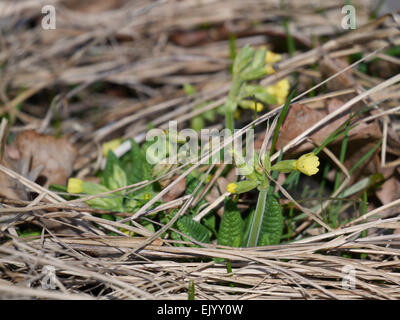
(231, 226)
(189, 89)
(259, 92)
(118, 179)
(255, 69)
(139, 168)
(197, 123)
(209, 115)
(209, 221)
(252, 74)
(193, 229)
(108, 171)
(111, 202)
(242, 59)
(272, 225)
(149, 226)
(259, 59)
(282, 116)
(192, 181)
(247, 227)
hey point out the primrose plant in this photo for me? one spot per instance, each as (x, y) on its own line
(262, 226)
(266, 222)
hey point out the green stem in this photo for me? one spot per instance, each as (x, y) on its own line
(229, 270)
(191, 290)
(230, 104)
(230, 121)
(256, 223)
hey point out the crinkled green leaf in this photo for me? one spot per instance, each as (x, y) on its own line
(138, 169)
(209, 221)
(242, 59)
(272, 225)
(259, 92)
(193, 229)
(258, 61)
(108, 171)
(231, 227)
(192, 181)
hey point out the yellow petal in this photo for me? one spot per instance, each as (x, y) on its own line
(308, 164)
(237, 114)
(272, 57)
(74, 185)
(269, 69)
(257, 105)
(231, 188)
(110, 145)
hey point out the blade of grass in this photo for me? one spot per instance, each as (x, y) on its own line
(365, 157)
(280, 121)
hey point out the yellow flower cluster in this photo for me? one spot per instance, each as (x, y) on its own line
(231, 188)
(271, 58)
(308, 164)
(256, 106)
(280, 90)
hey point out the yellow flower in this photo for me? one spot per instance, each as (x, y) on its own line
(269, 69)
(74, 185)
(257, 105)
(272, 57)
(147, 196)
(110, 145)
(280, 90)
(308, 164)
(237, 114)
(231, 188)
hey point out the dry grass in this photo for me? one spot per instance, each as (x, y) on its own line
(142, 52)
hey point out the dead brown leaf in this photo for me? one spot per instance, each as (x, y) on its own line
(390, 190)
(8, 185)
(55, 156)
(329, 67)
(300, 118)
(176, 190)
(361, 138)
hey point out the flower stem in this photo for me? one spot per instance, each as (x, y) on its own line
(231, 103)
(258, 216)
(230, 122)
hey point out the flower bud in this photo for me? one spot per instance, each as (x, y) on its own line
(308, 164)
(284, 166)
(242, 186)
(74, 185)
